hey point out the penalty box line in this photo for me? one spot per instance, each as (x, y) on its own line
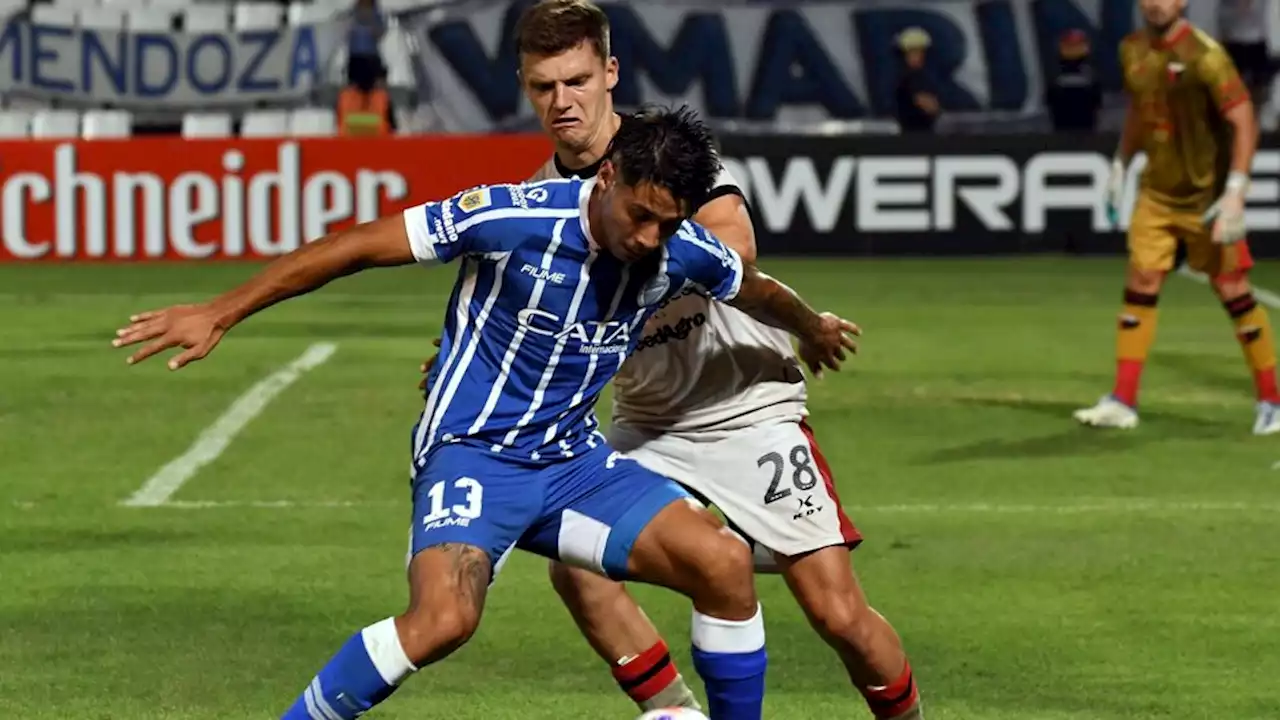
(211, 443)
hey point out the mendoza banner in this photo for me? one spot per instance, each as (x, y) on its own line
(132, 69)
(173, 199)
(952, 195)
(777, 60)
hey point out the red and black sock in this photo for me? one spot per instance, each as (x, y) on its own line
(1253, 330)
(647, 674)
(1136, 333)
(895, 699)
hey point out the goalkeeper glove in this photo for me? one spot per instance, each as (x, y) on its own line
(1115, 191)
(1226, 215)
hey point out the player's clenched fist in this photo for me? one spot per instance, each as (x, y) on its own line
(825, 345)
(195, 328)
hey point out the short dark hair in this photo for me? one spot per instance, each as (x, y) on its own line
(550, 27)
(672, 149)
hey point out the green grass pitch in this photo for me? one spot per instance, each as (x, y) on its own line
(1034, 568)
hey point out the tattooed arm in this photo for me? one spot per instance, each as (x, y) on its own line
(823, 336)
(773, 303)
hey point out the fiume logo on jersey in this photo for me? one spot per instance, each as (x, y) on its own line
(612, 337)
(679, 331)
(537, 273)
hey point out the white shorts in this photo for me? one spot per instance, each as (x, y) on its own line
(771, 482)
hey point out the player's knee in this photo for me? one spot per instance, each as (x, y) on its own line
(577, 587)
(1144, 281)
(844, 619)
(726, 577)
(561, 579)
(432, 631)
(1232, 285)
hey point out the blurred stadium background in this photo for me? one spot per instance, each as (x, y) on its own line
(157, 151)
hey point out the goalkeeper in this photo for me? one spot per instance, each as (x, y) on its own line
(1192, 116)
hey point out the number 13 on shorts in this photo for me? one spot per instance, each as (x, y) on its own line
(462, 511)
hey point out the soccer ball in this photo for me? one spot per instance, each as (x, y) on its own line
(676, 713)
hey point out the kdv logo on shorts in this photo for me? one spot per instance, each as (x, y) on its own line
(807, 508)
(459, 514)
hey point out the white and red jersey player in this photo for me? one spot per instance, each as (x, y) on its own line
(712, 400)
(716, 401)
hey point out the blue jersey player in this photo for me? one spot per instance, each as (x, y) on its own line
(555, 280)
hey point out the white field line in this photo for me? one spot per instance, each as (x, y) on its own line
(1265, 296)
(214, 440)
(279, 504)
(1128, 506)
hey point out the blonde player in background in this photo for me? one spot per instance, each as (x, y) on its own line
(1192, 116)
(712, 399)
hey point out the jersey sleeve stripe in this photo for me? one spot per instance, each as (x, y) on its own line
(422, 241)
(723, 191)
(508, 213)
(1233, 102)
(710, 248)
(720, 251)
(737, 278)
(726, 191)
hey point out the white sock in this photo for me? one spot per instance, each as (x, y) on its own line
(382, 642)
(715, 635)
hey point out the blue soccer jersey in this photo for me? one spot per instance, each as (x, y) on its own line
(541, 318)
(506, 454)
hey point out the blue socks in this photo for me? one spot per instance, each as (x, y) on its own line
(728, 654)
(730, 657)
(362, 674)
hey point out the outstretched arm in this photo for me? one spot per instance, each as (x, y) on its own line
(760, 296)
(823, 337)
(380, 243)
(773, 303)
(198, 328)
(722, 272)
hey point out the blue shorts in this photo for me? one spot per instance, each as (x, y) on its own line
(586, 510)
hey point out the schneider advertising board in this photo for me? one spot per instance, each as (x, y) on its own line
(859, 195)
(169, 199)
